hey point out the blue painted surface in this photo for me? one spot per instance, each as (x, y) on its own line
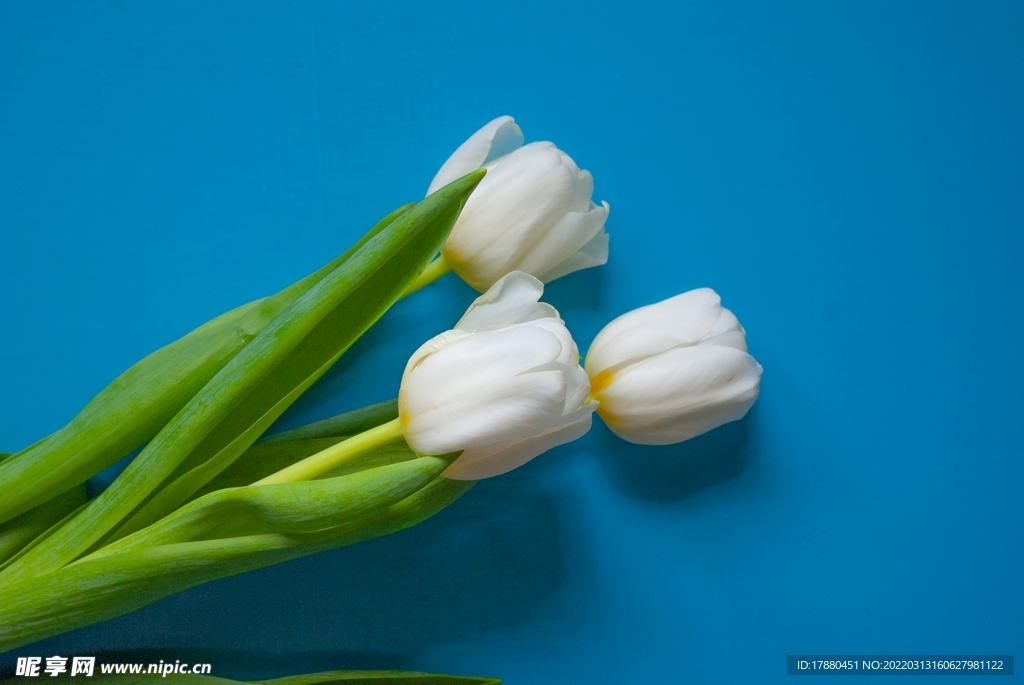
(848, 176)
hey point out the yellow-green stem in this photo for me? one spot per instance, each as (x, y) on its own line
(437, 268)
(336, 455)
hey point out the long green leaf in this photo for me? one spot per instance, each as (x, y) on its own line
(137, 404)
(42, 536)
(299, 343)
(272, 453)
(22, 530)
(263, 459)
(99, 588)
(349, 423)
(287, 508)
(269, 455)
(314, 356)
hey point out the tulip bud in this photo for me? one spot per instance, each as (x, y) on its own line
(672, 370)
(503, 386)
(532, 212)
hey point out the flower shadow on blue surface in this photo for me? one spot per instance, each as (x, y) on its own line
(581, 290)
(668, 473)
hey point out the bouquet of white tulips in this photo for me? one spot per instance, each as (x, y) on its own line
(209, 495)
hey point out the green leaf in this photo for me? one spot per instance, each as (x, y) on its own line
(42, 536)
(252, 389)
(272, 453)
(136, 405)
(263, 459)
(350, 423)
(316, 354)
(22, 530)
(104, 586)
(288, 508)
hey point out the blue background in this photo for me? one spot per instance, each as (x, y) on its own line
(849, 176)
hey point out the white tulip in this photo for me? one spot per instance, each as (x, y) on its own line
(672, 370)
(504, 385)
(532, 212)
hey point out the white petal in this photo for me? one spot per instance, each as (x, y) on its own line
(503, 457)
(481, 390)
(512, 299)
(692, 318)
(496, 139)
(577, 390)
(431, 346)
(577, 242)
(679, 394)
(594, 253)
(570, 354)
(727, 332)
(568, 162)
(525, 195)
(582, 201)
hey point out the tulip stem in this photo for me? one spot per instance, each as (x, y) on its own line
(437, 268)
(336, 455)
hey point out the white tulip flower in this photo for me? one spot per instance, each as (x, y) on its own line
(532, 212)
(503, 386)
(672, 370)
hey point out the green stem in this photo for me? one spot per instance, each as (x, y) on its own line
(437, 268)
(336, 455)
